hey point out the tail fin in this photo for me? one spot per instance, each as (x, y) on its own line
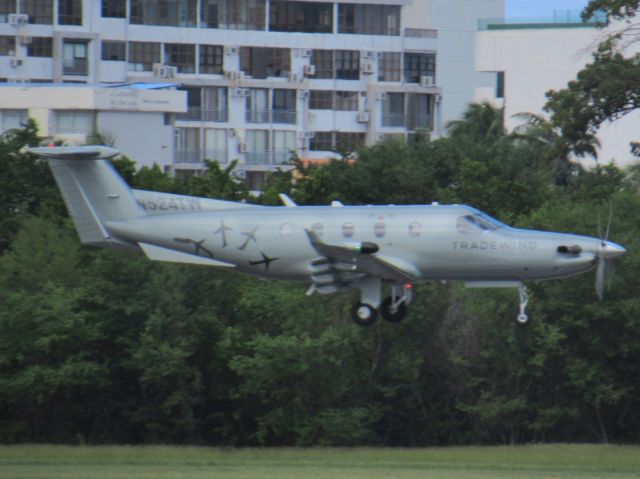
(93, 191)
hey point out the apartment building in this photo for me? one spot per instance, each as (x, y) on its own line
(264, 79)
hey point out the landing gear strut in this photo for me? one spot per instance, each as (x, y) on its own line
(393, 309)
(523, 317)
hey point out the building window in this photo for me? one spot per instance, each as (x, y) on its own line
(40, 47)
(39, 11)
(215, 145)
(301, 17)
(417, 65)
(284, 146)
(393, 110)
(346, 100)
(321, 100)
(142, 56)
(347, 64)
(74, 57)
(323, 61)
(13, 119)
(214, 102)
(7, 45)
(113, 51)
(389, 67)
(419, 108)
(6, 7)
(188, 145)
(74, 122)
(500, 85)
(257, 147)
(344, 142)
(114, 8)
(70, 12)
(211, 59)
(233, 14)
(265, 62)
(283, 106)
(181, 55)
(175, 13)
(369, 19)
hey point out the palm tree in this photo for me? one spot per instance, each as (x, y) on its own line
(480, 121)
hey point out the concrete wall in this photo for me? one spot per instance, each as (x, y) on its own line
(538, 60)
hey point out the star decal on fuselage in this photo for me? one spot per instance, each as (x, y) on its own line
(266, 261)
(223, 229)
(198, 245)
(251, 236)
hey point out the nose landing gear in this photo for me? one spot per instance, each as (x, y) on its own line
(523, 318)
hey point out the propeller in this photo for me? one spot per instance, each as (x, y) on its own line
(605, 254)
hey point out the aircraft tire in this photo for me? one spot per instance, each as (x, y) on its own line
(523, 320)
(363, 314)
(385, 311)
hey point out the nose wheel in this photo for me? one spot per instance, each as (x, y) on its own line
(523, 318)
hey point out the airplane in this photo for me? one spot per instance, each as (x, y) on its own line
(333, 248)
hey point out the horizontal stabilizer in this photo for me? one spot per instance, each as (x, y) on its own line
(158, 253)
(75, 152)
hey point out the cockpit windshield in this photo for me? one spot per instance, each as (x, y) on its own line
(477, 223)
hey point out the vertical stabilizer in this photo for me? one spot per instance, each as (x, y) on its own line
(93, 191)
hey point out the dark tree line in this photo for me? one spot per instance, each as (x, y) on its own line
(102, 346)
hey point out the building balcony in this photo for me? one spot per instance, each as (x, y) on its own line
(268, 157)
(396, 120)
(198, 155)
(204, 114)
(272, 116)
(420, 122)
(75, 67)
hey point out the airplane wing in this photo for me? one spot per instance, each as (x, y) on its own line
(352, 261)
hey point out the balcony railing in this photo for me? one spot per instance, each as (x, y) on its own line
(420, 122)
(204, 114)
(268, 157)
(271, 116)
(197, 155)
(75, 67)
(393, 119)
(420, 33)
(559, 19)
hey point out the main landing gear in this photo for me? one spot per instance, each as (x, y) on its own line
(392, 309)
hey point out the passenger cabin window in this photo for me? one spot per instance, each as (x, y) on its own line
(475, 224)
(415, 229)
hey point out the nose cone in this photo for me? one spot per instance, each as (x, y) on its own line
(609, 250)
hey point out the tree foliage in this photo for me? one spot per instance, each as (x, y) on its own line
(100, 346)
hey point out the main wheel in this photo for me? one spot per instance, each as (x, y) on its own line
(393, 316)
(363, 314)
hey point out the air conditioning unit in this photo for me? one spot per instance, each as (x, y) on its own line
(16, 62)
(306, 135)
(230, 75)
(293, 77)
(240, 92)
(304, 94)
(24, 39)
(426, 81)
(364, 117)
(305, 52)
(368, 68)
(18, 19)
(382, 96)
(239, 174)
(164, 71)
(231, 132)
(230, 50)
(243, 147)
(309, 70)
(370, 55)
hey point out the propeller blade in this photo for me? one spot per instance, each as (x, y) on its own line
(611, 269)
(606, 235)
(601, 277)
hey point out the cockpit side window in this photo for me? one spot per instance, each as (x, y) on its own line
(472, 224)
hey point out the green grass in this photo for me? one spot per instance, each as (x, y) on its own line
(120, 462)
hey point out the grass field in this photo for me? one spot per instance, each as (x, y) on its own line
(121, 462)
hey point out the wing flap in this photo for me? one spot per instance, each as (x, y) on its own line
(158, 253)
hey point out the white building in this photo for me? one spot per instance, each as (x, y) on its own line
(264, 78)
(134, 116)
(537, 56)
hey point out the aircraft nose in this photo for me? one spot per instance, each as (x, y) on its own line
(610, 250)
